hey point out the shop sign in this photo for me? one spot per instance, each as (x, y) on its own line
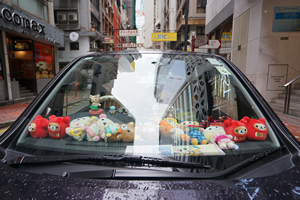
(201, 40)
(164, 36)
(24, 23)
(123, 33)
(226, 36)
(129, 45)
(108, 40)
(286, 18)
(19, 20)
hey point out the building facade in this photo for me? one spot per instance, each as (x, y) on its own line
(29, 44)
(265, 40)
(81, 22)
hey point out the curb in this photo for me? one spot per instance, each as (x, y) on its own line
(6, 123)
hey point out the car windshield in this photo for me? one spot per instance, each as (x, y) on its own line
(179, 106)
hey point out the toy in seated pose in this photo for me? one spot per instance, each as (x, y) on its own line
(57, 126)
(93, 132)
(257, 129)
(178, 134)
(126, 133)
(38, 128)
(166, 125)
(237, 129)
(77, 128)
(112, 110)
(195, 132)
(95, 99)
(216, 134)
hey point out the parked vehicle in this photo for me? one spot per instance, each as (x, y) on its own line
(149, 125)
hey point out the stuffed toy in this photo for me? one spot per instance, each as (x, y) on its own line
(178, 134)
(77, 128)
(209, 131)
(57, 126)
(224, 141)
(112, 129)
(95, 99)
(217, 134)
(103, 122)
(112, 110)
(195, 133)
(92, 120)
(183, 125)
(257, 129)
(126, 134)
(93, 132)
(166, 125)
(38, 128)
(237, 129)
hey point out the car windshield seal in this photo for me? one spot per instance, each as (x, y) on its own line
(121, 160)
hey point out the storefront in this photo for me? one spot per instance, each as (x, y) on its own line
(28, 55)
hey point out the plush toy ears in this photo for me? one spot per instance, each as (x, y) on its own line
(52, 117)
(245, 121)
(102, 116)
(262, 120)
(227, 122)
(67, 119)
(38, 117)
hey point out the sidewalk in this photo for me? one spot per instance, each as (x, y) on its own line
(9, 113)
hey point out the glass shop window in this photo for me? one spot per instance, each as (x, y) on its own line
(44, 60)
(35, 7)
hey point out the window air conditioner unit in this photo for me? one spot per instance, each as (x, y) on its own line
(73, 18)
(61, 17)
(110, 5)
(106, 9)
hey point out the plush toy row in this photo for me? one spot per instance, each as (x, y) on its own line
(85, 128)
(225, 134)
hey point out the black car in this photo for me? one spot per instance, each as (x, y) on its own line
(149, 125)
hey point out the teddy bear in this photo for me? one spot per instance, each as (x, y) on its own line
(237, 129)
(77, 128)
(127, 132)
(95, 99)
(257, 129)
(38, 128)
(193, 133)
(217, 134)
(93, 132)
(57, 126)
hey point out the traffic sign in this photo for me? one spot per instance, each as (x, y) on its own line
(212, 44)
(201, 40)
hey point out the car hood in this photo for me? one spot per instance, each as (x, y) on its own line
(15, 184)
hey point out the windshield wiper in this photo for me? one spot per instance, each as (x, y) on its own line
(122, 160)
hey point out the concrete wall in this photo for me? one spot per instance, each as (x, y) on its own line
(260, 47)
(149, 22)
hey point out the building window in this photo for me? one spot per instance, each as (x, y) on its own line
(201, 6)
(95, 3)
(38, 8)
(200, 30)
(74, 46)
(61, 48)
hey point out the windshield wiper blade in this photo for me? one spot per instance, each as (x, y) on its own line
(106, 160)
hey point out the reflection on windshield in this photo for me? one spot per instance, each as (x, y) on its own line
(186, 107)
